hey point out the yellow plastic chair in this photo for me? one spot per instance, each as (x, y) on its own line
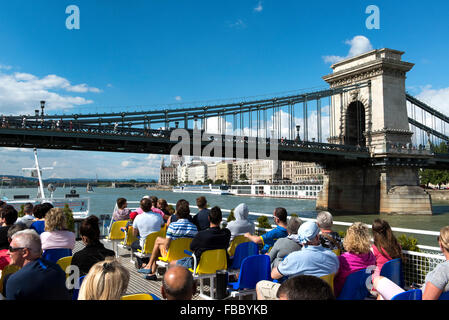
(147, 249)
(176, 250)
(129, 238)
(116, 234)
(9, 269)
(329, 279)
(210, 262)
(64, 263)
(163, 231)
(235, 242)
(337, 252)
(137, 296)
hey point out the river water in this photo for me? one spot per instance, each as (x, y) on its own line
(102, 201)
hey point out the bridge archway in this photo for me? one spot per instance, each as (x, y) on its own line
(355, 124)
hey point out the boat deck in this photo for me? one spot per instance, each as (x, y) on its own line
(137, 284)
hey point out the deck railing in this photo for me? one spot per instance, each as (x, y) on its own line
(416, 265)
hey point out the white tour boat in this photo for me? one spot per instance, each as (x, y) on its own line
(294, 191)
(79, 206)
(210, 189)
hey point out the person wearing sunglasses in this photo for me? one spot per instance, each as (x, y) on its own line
(38, 279)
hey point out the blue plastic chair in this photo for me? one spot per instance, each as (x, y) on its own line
(243, 250)
(77, 291)
(415, 294)
(253, 269)
(355, 286)
(54, 255)
(444, 296)
(393, 270)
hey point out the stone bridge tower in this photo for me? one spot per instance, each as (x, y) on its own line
(372, 115)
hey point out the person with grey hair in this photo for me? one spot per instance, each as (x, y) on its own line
(328, 238)
(38, 279)
(283, 246)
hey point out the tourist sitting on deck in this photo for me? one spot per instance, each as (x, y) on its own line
(284, 246)
(39, 212)
(210, 239)
(436, 281)
(329, 239)
(94, 250)
(121, 212)
(138, 211)
(8, 216)
(358, 255)
(201, 219)
(386, 247)
(27, 218)
(163, 206)
(4, 256)
(182, 228)
(312, 260)
(144, 224)
(56, 235)
(106, 280)
(241, 224)
(174, 217)
(304, 287)
(268, 239)
(178, 284)
(154, 207)
(38, 279)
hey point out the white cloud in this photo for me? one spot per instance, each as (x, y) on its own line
(5, 67)
(259, 7)
(436, 98)
(358, 45)
(21, 92)
(239, 24)
(178, 98)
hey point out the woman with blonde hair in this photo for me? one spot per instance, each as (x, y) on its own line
(358, 255)
(436, 282)
(106, 280)
(56, 235)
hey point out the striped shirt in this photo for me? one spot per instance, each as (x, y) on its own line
(182, 228)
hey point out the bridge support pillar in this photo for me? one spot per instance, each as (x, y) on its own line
(373, 190)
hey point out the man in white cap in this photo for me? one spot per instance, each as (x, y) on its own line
(312, 260)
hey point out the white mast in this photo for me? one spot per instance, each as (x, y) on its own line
(37, 171)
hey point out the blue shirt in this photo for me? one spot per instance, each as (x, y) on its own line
(182, 228)
(39, 226)
(310, 260)
(146, 223)
(271, 236)
(38, 280)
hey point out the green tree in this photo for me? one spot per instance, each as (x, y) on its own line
(21, 213)
(231, 216)
(263, 222)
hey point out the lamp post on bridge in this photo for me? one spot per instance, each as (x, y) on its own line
(42, 108)
(298, 127)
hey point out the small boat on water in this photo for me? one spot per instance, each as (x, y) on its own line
(89, 188)
(209, 189)
(79, 206)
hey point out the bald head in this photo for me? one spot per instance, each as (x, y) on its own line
(178, 284)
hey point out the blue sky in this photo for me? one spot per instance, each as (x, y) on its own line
(154, 53)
